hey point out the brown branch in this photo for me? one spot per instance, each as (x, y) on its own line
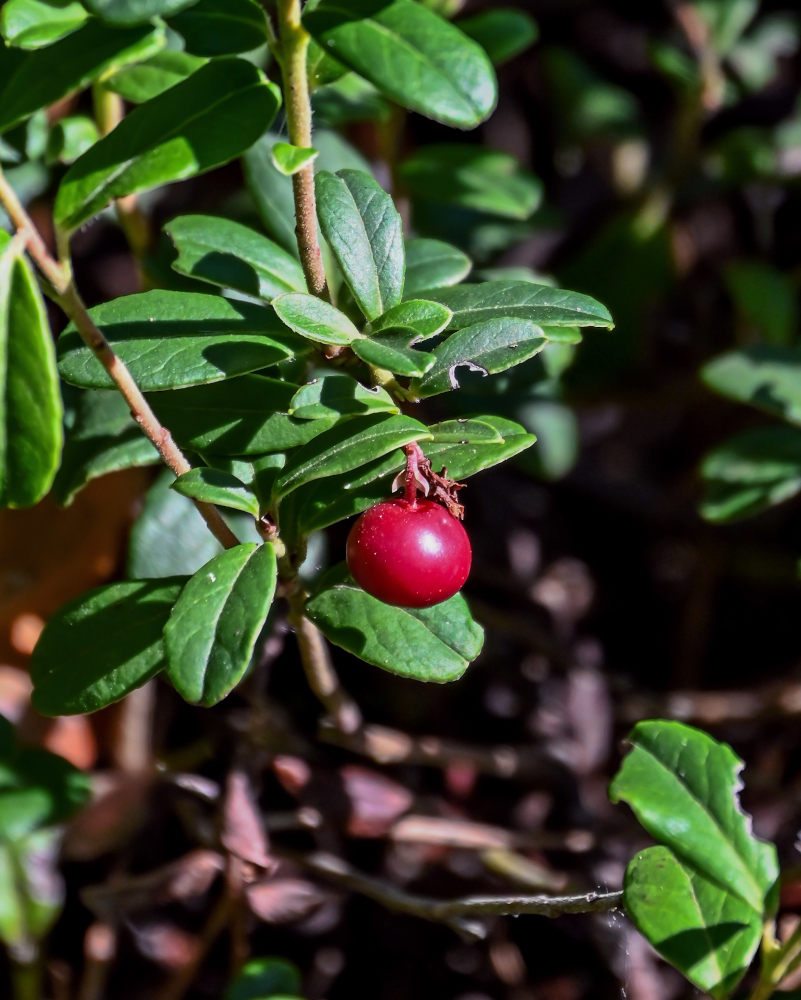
(461, 913)
(69, 299)
(316, 659)
(294, 40)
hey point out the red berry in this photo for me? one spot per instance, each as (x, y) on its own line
(410, 553)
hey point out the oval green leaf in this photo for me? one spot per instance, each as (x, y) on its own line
(425, 644)
(363, 229)
(221, 27)
(433, 264)
(101, 646)
(209, 119)
(230, 255)
(217, 487)
(134, 11)
(765, 376)
(541, 304)
(174, 339)
(489, 347)
(315, 319)
(425, 318)
(213, 628)
(411, 55)
(30, 401)
(391, 351)
(32, 24)
(290, 159)
(152, 77)
(339, 395)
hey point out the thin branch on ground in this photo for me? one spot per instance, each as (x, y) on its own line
(69, 299)
(462, 914)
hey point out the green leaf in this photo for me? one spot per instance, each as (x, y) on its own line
(69, 138)
(425, 644)
(31, 887)
(174, 339)
(231, 255)
(765, 300)
(491, 346)
(750, 472)
(243, 416)
(290, 159)
(433, 264)
(152, 77)
(727, 20)
(363, 229)
(213, 628)
(134, 11)
(217, 487)
(262, 978)
(350, 99)
(101, 646)
(704, 931)
(411, 55)
(483, 180)
(210, 118)
(766, 376)
(33, 80)
(465, 447)
(315, 319)
(349, 444)
(502, 32)
(540, 303)
(101, 438)
(334, 394)
(169, 538)
(425, 318)
(391, 351)
(682, 786)
(32, 24)
(222, 27)
(30, 402)
(258, 473)
(37, 789)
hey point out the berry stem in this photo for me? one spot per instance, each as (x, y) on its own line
(415, 479)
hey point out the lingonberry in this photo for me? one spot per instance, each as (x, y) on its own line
(411, 553)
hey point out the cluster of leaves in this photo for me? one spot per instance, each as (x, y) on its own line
(242, 373)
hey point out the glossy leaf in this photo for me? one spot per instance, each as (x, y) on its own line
(708, 934)
(32, 24)
(69, 138)
(391, 351)
(425, 644)
(290, 159)
(258, 472)
(243, 416)
(213, 628)
(315, 319)
(411, 55)
(262, 978)
(483, 180)
(750, 472)
(348, 445)
(37, 788)
(101, 646)
(542, 304)
(363, 229)
(174, 339)
(433, 264)
(102, 437)
(134, 11)
(30, 402)
(152, 77)
(503, 32)
(682, 786)
(33, 80)
(228, 254)
(221, 27)
(210, 118)
(425, 318)
(31, 887)
(766, 376)
(334, 394)
(466, 447)
(491, 346)
(217, 487)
